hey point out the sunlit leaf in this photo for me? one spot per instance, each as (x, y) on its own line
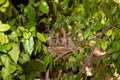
(33, 31)
(2, 38)
(14, 53)
(6, 75)
(43, 7)
(24, 58)
(109, 32)
(26, 35)
(41, 37)
(6, 4)
(13, 36)
(2, 48)
(97, 26)
(87, 33)
(28, 45)
(30, 12)
(104, 45)
(38, 45)
(4, 27)
(2, 1)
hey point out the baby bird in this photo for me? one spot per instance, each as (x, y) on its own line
(64, 39)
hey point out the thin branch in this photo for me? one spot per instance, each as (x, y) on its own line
(93, 48)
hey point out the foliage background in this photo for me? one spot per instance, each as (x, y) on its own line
(93, 26)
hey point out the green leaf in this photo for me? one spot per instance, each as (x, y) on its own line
(30, 12)
(6, 75)
(28, 45)
(104, 45)
(6, 72)
(2, 1)
(30, 24)
(4, 27)
(41, 37)
(33, 31)
(97, 26)
(24, 58)
(2, 48)
(109, 32)
(26, 35)
(118, 65)
(47, 61)
(87, 33)
(38, 45)
(6, 4)
(31, 1)
(114, 56)
(13, 36)
(5, 60)
(116, 45)
(2, 38)
(71, 59)
(43, 7)
(64, 4)
(14, 53)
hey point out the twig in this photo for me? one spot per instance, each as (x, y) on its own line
(47, 74)
(93, 48)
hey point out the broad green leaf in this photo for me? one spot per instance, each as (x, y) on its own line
(43, 7)
(104, 45)
(110, 33)
(97, 26)
(34, 66)
(71, 59)
(114, 56)
(38, 45)
(14, 53)
(11, 68)
(24, 58)
(33, 31)
(6, 4)
(31, 1)
(13, 36)
(21, 28)
(8, 46)
(2, 48)
(87, 33)
(26, 35)
(30, 12)
(30, 24)
(4, 27)
(28, 45)
(110, 51)
(2, 9)
(47, 61)
(2, 1)
(41, 37)
(64, 4)
(2, 38)
(79, 56)
(5, 60)
(5, 74)
(116, 45)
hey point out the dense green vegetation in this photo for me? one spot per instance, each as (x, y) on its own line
(60, 39)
